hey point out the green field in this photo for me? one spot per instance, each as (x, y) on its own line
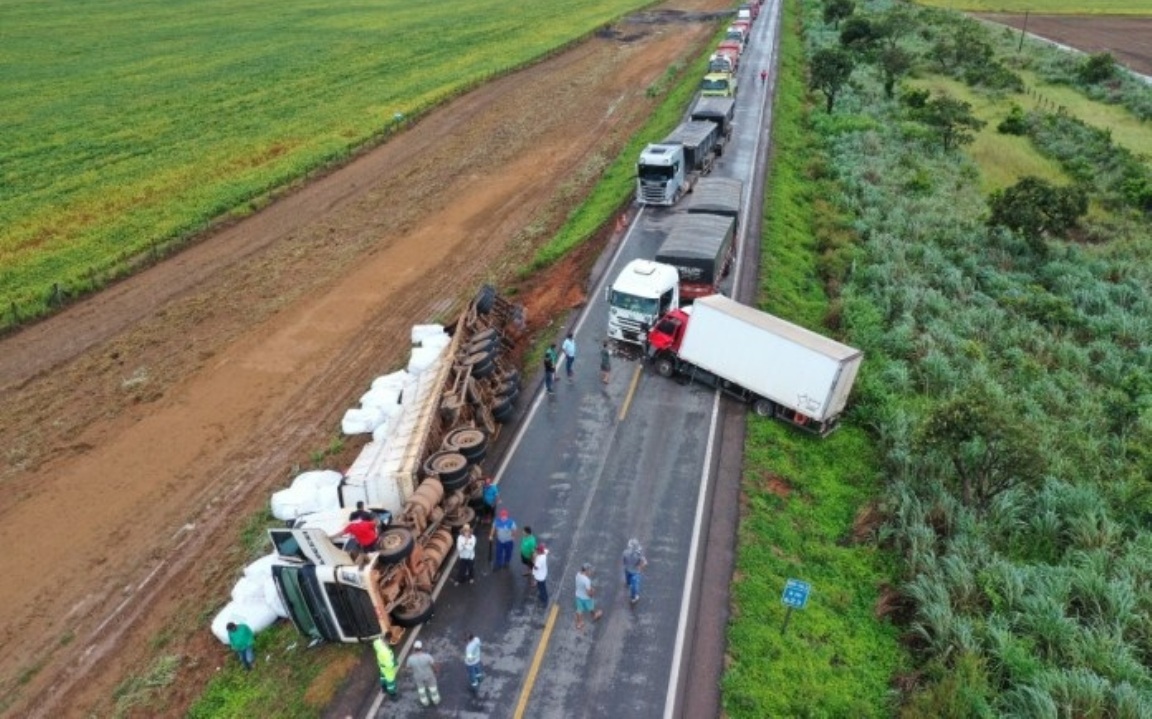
(129, 125)
(1047, 7)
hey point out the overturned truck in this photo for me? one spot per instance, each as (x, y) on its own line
(423, 478)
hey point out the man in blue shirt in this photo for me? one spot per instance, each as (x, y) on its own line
(504, 531)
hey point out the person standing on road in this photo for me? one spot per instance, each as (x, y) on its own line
(423, 668)
(386, 663)
(568, 347)
(763, 76)
(504, 530)
(634, 563)
(584, 602)
(540, 573)
(466, 553)
(605, 362)
(550, 368)
(243, 642)
(472, 661)
(528, 550)
(491, 498)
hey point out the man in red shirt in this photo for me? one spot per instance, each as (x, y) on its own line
(364, 532)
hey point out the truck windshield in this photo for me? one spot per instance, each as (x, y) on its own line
(654, 172)
(632, 303)
(717, 84)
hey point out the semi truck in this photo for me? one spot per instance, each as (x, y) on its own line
(642, 293)
(782, 370)
(667, 170)
(719, 110)
(424, 477)
(699, 246)
(721, 63)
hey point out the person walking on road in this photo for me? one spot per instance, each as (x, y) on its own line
(568, 347)
(243, 642)
(466, 553)
(423, 668)
(550, 368)
(504, 531)
(528, 550)
(584, 602)
(386, 663)
(605, 362)
(540, 574)
(763, 76)
(634, 563)
(472, 661)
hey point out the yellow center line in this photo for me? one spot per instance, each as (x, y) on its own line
(631, 393)
(536, 661)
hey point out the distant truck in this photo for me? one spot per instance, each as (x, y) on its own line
(643, 292)
(730, 51)
(699, 246)
(719, 110)
(667, 170)
(736, 33)
(721, 63)
(781, 369)
(718, 84)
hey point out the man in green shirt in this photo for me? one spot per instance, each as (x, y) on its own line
(527, 550)
(243, 642)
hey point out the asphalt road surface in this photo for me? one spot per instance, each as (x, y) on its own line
(589, 467)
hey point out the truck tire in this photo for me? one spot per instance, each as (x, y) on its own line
(764, 407)
(665, 367)
(414, 610)
(460, 516)
(472, 443)
(395, 545)
(485, 334)
(448, 466)
(504, 413)
(483, 369)
(485, 299)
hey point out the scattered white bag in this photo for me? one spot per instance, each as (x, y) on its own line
(361, 421)
(381, 433)
(420, 332)
(382, 398)
(317, 478)
(249, 589)
(421, 358)
(290, 503)
(257, 615)
(395, 380)
(436, 342)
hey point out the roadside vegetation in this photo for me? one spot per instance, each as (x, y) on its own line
(123, 139)
(1005, 391)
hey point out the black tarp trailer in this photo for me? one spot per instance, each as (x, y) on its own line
(699, 142)
(719, 110)
(699, 246)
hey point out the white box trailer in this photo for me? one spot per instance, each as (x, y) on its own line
(782, 369)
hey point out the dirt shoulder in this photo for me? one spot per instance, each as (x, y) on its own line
(140, 425)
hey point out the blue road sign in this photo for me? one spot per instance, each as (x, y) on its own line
(796, 593)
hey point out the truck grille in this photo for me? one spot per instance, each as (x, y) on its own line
(652, 195)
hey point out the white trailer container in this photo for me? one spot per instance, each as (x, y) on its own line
(782, 369)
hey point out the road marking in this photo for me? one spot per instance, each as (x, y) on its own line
(536, 662)
(631, 393)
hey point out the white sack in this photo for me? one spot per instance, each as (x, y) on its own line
(419, 332)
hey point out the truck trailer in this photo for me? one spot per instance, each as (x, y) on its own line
(699, 246)
(424, 477)
(719, 110)
(781, 369)
(668, 169)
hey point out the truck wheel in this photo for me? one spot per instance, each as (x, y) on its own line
(504, 412)
(448, 466)
(472, 443)
(414, 610)
(764, 407)
(485, 299)
(665, 367)
(395, 545)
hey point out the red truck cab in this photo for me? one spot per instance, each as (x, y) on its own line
(669, 331)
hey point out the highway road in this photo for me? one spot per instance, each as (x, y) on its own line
(591, 466)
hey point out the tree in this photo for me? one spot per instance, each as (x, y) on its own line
(837, 10)
(951, 118)
(860, 35)
(1097, 68)
(895, 62)
(895, 23)
(1034, 208)
(991, 449)
(831, 68)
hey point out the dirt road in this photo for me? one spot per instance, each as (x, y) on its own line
(141, 425)
(1127, 38)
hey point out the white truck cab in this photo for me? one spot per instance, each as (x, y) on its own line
(642, 293)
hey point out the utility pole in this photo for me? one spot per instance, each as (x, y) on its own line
(1023, 30)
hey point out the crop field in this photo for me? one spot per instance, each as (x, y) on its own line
(1052, 7)
(129, 126)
